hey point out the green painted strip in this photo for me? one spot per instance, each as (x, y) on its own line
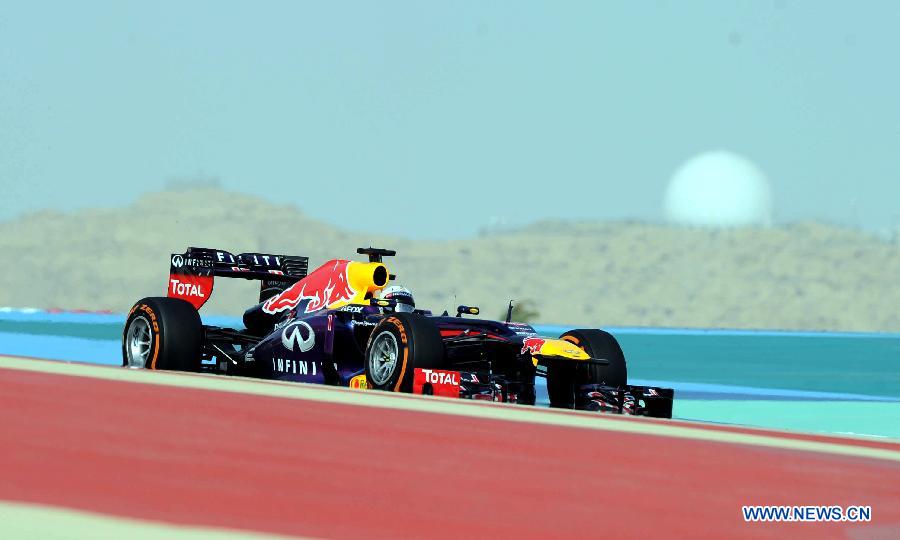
(843, 417)
(447, 406)
(20, 520)
(868, 366)
(103, 331)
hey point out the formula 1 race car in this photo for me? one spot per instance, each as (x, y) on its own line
(335, 326)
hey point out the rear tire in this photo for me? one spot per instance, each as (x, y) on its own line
(397, 346)
(163, 333)
(563, 378)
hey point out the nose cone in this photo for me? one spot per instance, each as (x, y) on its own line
(562, 349)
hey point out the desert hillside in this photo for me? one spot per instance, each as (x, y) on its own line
(804, 276)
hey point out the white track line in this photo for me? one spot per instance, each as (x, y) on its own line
(21, 520)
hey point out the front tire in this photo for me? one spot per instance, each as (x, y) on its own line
(564, 378)
(397, 346)
(163, 333)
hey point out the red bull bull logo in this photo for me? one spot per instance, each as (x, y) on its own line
(327, 285)
(532, 345)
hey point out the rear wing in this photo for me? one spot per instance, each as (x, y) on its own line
(192, 273)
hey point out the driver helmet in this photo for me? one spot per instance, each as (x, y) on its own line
(401, 295)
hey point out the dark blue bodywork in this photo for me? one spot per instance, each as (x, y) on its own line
(328, 346)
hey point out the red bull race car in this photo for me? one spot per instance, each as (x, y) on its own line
(344, 325)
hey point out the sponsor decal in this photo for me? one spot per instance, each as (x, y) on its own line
(440, 377)
(399, 295)
(436, 382)
(154, 335)
(400, 328)
(225, 257)
(180, 288)
(293, 339)
(352, 309)
(297, 367)
(326, 286)
(191, 288)
(532, 345)
(521, 329)
(179, 261)
(265, 260)
(359, 382)
(269, 284)
(153, 322)
(282, 324)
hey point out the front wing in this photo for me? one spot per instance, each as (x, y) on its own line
(633, 400)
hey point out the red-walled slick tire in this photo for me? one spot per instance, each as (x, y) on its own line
(398, 345)
(163, 333)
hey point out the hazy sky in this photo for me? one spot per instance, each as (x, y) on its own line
(439, 117)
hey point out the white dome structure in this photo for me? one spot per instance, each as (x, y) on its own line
(719, 189)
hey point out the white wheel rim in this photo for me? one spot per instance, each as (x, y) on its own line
(383, 357)
(138, 341)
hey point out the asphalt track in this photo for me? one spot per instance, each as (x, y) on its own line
(88, 450)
